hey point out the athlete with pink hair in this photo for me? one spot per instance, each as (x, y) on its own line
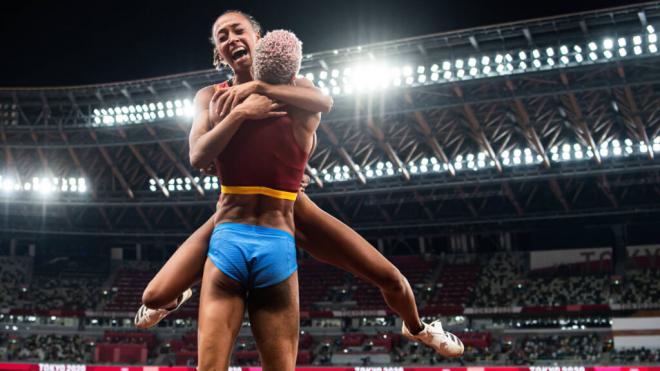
(318, 233)
(260, 151)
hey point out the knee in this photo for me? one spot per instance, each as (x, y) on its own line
(392, 281)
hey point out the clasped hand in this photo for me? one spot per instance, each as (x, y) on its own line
(245, 98)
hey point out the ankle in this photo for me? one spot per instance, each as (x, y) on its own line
(172, 305)
(415, 328)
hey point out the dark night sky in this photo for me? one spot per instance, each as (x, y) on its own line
(66, 42)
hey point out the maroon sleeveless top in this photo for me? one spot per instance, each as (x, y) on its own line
(263, 157)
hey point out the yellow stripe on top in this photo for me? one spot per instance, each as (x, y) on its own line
(258, 190)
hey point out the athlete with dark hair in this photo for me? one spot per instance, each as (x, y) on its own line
(324, 237)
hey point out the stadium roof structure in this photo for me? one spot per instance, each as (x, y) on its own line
(546, 119)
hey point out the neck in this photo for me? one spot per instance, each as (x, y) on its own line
(240, 78)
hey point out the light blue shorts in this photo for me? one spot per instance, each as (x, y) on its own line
(253, 255)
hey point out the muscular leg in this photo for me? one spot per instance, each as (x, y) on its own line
(275, 318)
(181, 271)
(221, 309)
(324, 237)
(331, 241)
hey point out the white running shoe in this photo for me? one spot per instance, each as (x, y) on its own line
(147, 318)
(444, 343)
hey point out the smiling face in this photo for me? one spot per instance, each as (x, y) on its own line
(235, 38)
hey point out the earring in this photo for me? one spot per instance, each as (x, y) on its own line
(217, 62)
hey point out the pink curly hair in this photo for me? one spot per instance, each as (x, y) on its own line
(277, 57)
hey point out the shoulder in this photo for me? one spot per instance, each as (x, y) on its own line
(308, 120)
(302, 81)
(205, 94)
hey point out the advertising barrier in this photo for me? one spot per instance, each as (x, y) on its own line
(77, 367)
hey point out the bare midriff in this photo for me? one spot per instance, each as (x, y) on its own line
(257, 210)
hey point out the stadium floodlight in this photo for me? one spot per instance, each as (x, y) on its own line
(485, 60)
(650, 29)
(653, 38)
(593, 46)
(536, 54)
(323, 75)
(623, 52)
(536, 63)
(446, 65)
(593, 56)
(563, 49)
(622, 42)
(522, 55)
(458, 64)
(550, 52)
(579, 58)
(637, 50)
(608, 44)
(472, 62)
(653, 48)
